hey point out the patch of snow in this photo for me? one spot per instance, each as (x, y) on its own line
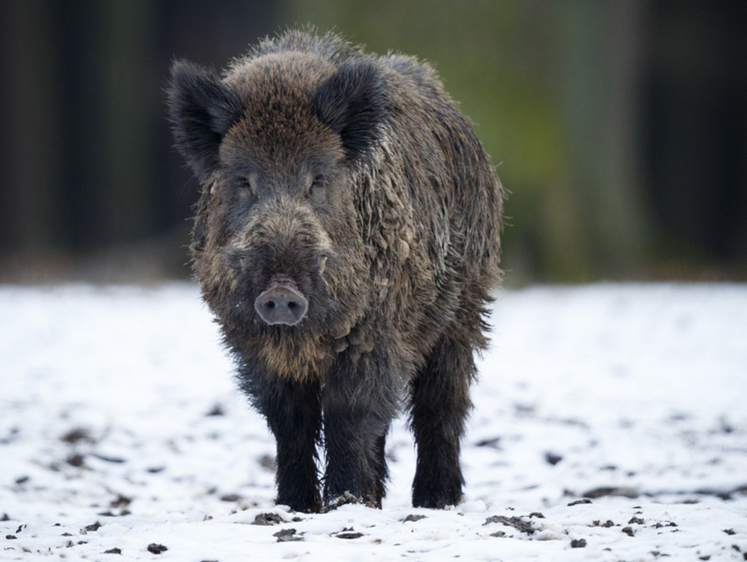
(121, 428)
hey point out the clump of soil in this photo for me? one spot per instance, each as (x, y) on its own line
(287, 535)
(516, 522)
(267, 519)
(611, 491)
(93, 527)
(349, 533)
(76, 435)
(157, 548)
(579, 502)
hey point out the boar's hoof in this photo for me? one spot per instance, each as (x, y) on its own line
(281, 304)
(344, 499)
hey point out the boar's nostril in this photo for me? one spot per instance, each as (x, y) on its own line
(281, 304)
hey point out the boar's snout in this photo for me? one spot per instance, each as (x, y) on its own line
(281, 304)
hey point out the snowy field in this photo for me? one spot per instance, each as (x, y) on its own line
(610, 423)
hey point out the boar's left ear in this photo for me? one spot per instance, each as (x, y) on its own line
(202, 110)
(352, 102)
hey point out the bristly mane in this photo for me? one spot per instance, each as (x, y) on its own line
(329, 46)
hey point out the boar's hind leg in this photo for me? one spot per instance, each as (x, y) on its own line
(439, 405)
(378, 463)
(293, 412)
(360, 400)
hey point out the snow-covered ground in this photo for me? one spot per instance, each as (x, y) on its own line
(610, 423)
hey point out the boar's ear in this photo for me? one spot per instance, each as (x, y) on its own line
(202, 110)
(352, 102)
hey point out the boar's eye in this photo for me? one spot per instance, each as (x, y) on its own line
(243, 182)
(245, 190)
(317, 183)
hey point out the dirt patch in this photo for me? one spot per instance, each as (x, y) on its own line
(516, 522)
(157, 548)
(267, 519)
(287, 535)
(623, 492)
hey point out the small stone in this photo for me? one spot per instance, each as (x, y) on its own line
(493, 443)
(76, 460)
(120, 501)
(90, 528)
(75, 435)
(553, 458)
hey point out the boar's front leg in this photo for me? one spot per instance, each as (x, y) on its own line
(360, 400)
(293, 412)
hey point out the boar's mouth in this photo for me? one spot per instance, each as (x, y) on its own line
(281, 304)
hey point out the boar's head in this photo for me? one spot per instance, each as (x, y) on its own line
(276, 143)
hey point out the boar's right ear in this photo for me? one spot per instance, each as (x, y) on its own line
(202, 109)
(352, 102)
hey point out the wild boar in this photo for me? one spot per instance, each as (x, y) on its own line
(346, 239)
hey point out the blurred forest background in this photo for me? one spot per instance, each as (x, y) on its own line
(619, 127)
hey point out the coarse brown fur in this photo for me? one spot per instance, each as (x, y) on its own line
(354, 183)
